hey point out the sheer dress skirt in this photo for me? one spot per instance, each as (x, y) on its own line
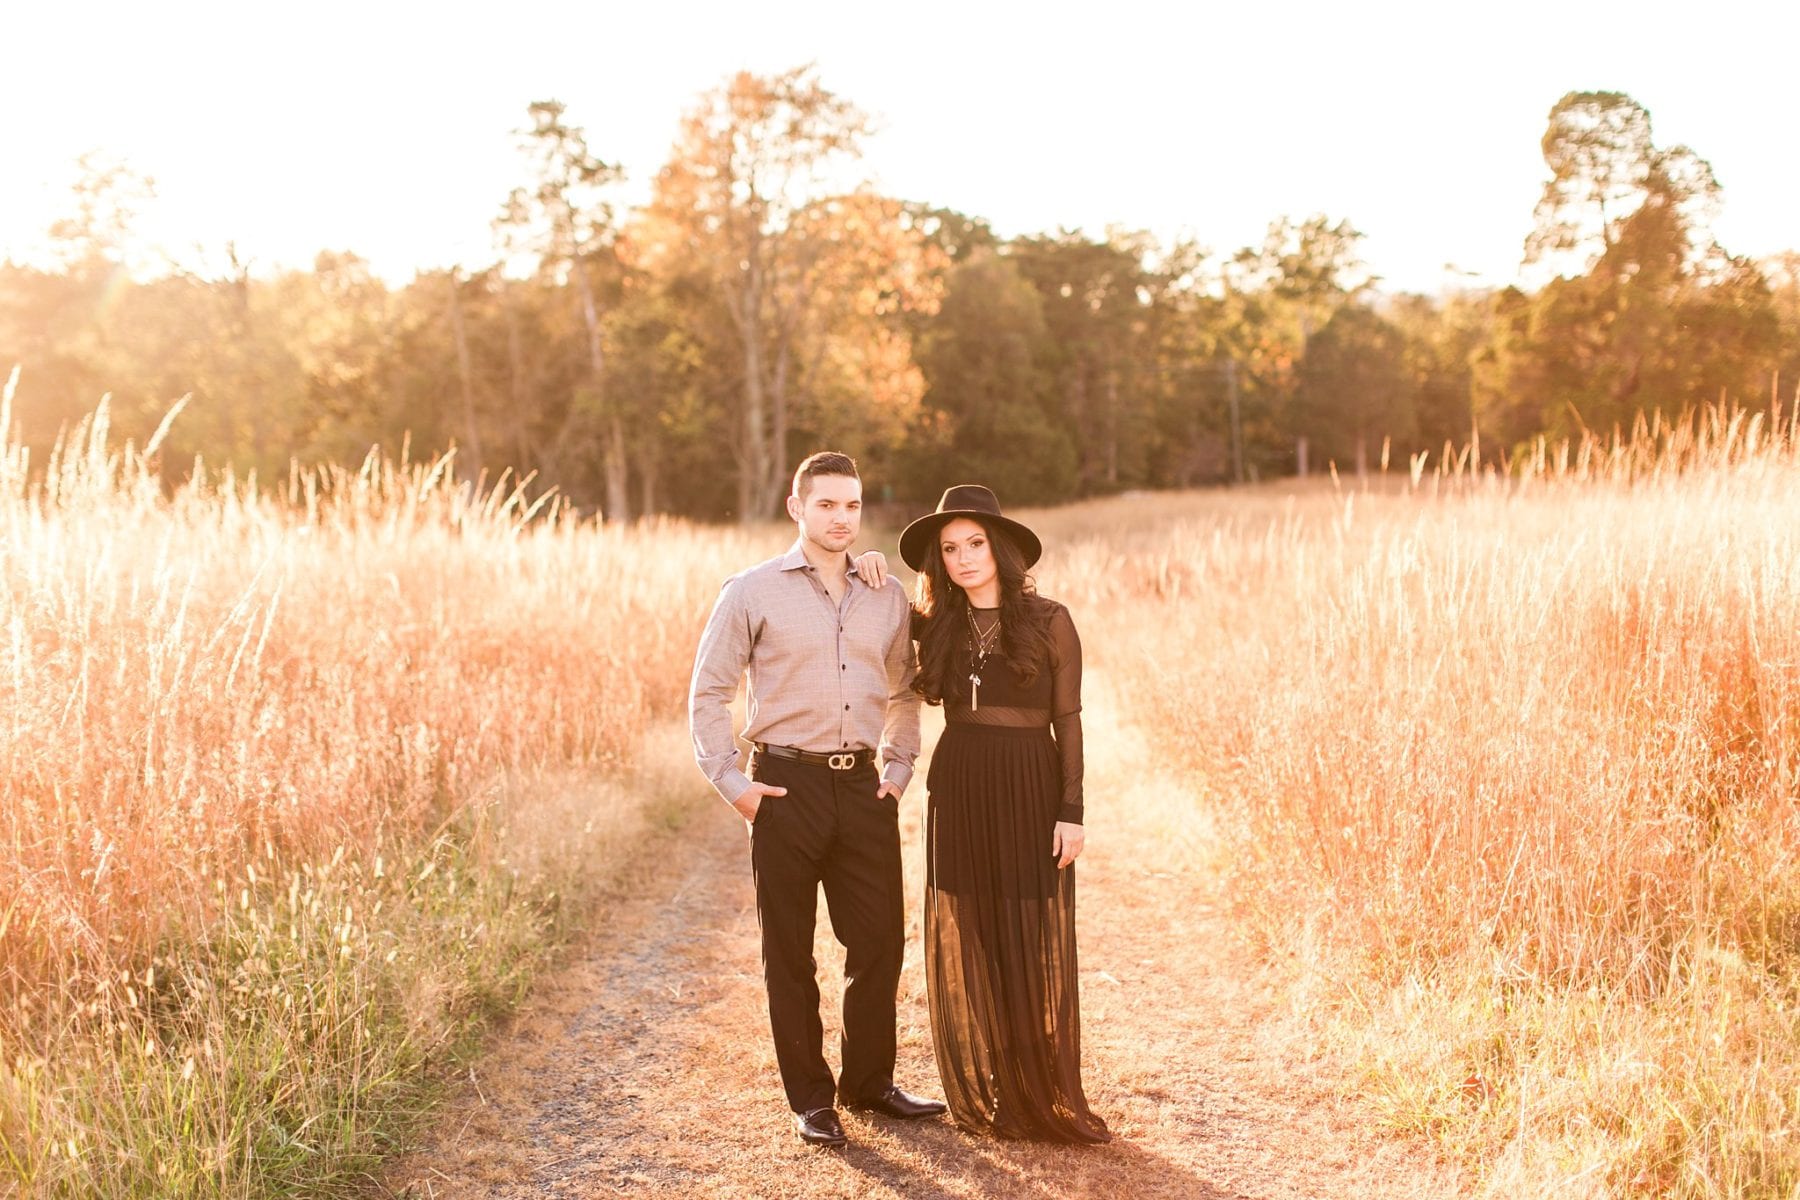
(1000, 957)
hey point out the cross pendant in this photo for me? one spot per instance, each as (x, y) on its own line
(974, 693)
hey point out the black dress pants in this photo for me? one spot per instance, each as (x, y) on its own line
(830, 828)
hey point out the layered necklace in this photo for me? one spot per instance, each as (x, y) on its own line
(981, 644)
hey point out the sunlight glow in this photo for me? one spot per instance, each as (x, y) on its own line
(377, 130)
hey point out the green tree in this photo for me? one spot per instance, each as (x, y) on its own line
(1276, 296)
(956, 236)
(658, 365)
(1094, 299)
(1660, 317)
(1441, 338)
(564, 218)
(988, 413)
(1604, 169)
(226, 341)
(59, 323)
(1353, 389)
(1187, 329)
(1783, 273)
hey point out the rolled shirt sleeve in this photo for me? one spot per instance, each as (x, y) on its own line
(718, 668)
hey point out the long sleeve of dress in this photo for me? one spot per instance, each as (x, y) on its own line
(1065, 710)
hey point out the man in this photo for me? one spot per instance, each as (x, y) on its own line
(831, 665)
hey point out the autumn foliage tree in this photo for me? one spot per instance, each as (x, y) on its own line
(765, 302)
(1658, 315)
(734, 209)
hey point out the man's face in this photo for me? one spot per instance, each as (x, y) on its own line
(831, 514)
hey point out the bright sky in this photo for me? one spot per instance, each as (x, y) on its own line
(385, 127)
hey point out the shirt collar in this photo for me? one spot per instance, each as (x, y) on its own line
(795, 560)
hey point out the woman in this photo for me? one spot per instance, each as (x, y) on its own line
(1003, 824)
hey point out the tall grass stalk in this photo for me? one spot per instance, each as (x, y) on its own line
(1508, 767)
(296, 784)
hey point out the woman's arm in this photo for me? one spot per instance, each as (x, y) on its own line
(1065, 722)
(871, 565)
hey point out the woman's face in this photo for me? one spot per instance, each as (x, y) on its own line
(968, 554)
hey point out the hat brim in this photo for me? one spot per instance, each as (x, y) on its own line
(916, 538)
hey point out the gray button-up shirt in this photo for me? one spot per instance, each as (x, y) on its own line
(824, 677)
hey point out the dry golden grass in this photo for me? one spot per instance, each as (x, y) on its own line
(1508, 770)
(299, 784)
(274, 825)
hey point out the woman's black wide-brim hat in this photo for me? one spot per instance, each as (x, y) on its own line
(965, 500)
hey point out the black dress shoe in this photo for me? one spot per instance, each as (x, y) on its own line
(904, 1105)
(820, 1127)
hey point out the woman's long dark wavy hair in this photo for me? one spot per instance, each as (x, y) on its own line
(941, 618)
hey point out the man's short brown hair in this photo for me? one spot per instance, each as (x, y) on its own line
(825, 462)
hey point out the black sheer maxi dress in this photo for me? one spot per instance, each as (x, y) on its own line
(1000, 959)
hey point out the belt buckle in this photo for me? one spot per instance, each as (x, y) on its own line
(841, 762)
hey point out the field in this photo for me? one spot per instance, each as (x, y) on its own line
(303, 784)
(1506, 779)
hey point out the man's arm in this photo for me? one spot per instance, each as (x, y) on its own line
(718, 667)
(900, 729)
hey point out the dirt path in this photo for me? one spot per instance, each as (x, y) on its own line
(644, 1067)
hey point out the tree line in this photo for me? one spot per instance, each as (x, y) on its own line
(678, 357)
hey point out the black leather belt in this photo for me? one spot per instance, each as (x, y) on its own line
(848, 760)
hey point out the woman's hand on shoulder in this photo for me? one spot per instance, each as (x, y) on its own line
(1067, 843)
(871, 567)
